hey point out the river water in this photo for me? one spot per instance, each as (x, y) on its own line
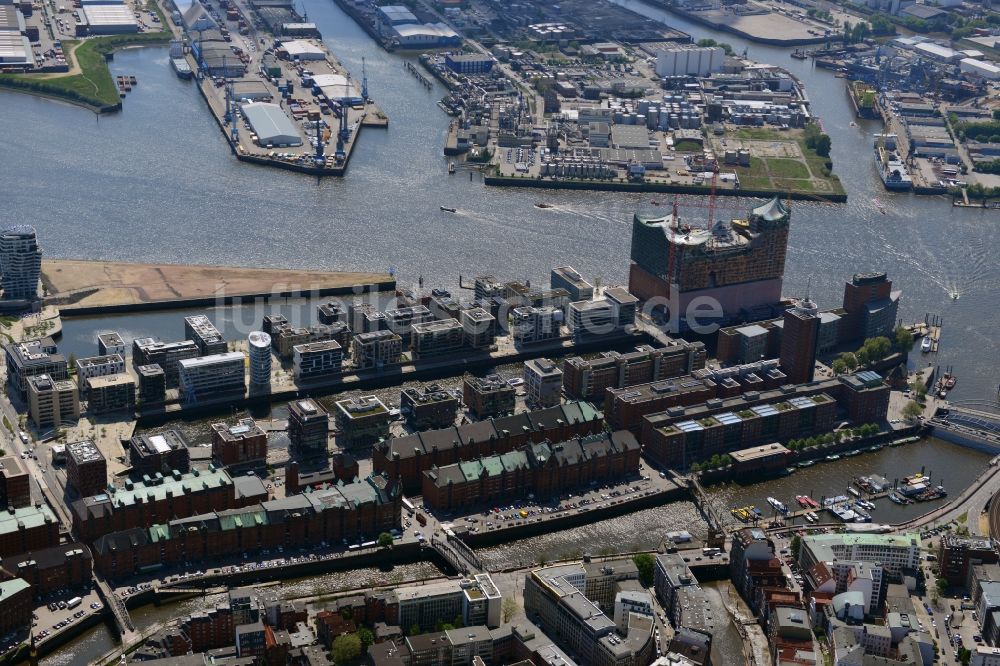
(156, 183)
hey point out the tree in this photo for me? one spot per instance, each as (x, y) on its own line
(838, 366)
(346, 647)
(384, 540)
(862, 356)
(942, 586)
(645, 563)
(904, 339)
(850, 360)
(823, 145)
(912, 410)
(725, 460)
(415, 628)
(796, 546)
(366, 636)
(508, 609)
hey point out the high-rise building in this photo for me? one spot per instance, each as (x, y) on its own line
(159, 454)
(308, 426)
(110, 343)
(317, 360)
(799, 341)
(20, 263)
(149, 351)
(259, 346)
(86, 468)
(242, 444)
(32, 358)
(568, 278)
(739, 264)
(871, 306)
(362, 421)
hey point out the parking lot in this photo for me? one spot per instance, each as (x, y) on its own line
(62, 609)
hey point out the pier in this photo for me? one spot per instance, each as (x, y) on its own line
(408, 66)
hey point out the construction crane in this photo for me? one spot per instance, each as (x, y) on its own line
(364, 81)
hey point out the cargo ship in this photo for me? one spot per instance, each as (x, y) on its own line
(891, 170)
(863, 99)
(177, 60)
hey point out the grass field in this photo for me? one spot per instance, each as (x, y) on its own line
(93, 86)
(808, 174)
(688, 146)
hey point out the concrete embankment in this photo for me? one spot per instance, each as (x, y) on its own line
(698, 17)
(617, 186)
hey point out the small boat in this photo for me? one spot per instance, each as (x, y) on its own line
(799, 54)
(807, 463)
(811, 502)
(655, 202)
(451, 167)
(777, 505)
(954, 295)
(851, 454)
(812, 514)
(866, 504)
(755, 512)
(853, 124)
(131, 79)
(893, 497)
(801, 499)
(879, 205)
(449, 210)
(873, 449)
(543, 205)
(833, 458)
(788, 471)
(925, 345)
(950, 381)
(854, 491)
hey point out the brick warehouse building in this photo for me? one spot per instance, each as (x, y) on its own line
(626, 408)
(406, 458)
(51, 569)
(680, 436)
(361, 509)
(26, 529)
(177, 496)
(740, 264)
(541, 469)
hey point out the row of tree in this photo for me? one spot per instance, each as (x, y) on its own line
(715, 462)
(866, 430)
(816, 140)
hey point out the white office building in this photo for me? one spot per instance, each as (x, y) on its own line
(628, 602)
(207, 377)
(543, 382)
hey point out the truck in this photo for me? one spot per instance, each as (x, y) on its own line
(74, 602)
(421, 518)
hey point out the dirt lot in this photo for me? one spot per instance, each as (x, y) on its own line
(96, 283)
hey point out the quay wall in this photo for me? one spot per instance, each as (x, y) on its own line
(615, 186)
(229, 299)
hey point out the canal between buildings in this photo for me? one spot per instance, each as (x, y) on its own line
(156, 183)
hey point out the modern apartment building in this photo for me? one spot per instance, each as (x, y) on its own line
(376, 349)
(110, 343)
(436, 338)
(568, 278)
(31, 358)
(531, 324)
(259, 351)
(110, 393)
(152, 384)
(479, 326)
(488, 396)
(361, 421)
(428, 406)
(203, 332)
(52, 402)
(167, 355)
(872, 307)
(401, 320)
(99, 366)
(589, 319)
(317, 360)
(212, 377)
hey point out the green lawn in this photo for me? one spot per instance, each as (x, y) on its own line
(688, 146)
(94, 85)
(783, 167)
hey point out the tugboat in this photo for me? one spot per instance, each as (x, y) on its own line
(543, 205)
(448, 210)
(451, 167)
